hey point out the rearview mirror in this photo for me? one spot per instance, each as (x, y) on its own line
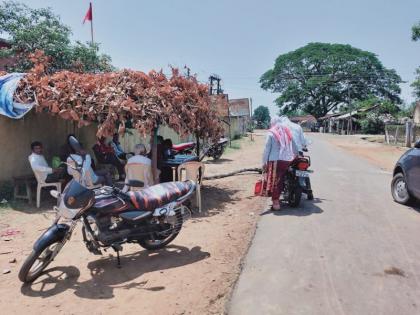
(135, 183)
(417, 144)
(75, 144)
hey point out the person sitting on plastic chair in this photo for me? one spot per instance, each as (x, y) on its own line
(139, 167)
(40, 166)
(105, 155)
(100, 177)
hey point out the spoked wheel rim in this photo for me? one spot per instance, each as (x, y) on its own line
(169, 233)
(43, 259)
(400, 189)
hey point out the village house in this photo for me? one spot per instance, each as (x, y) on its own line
(240, 116)
(307, 122)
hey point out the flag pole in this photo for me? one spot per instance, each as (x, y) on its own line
(91, 21)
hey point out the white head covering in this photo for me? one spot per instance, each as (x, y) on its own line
(140, 149)
(275, 120)
(284, 120)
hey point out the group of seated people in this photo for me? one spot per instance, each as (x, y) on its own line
(105, 153)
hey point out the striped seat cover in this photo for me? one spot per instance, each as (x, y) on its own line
(159, 195)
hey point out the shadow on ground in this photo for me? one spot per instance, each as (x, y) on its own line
(219, 161)
(216, 199)
(105, 276)
(306, 207)
(415, 205)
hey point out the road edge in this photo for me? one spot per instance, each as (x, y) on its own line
(234, 284)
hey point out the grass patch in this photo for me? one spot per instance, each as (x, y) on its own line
(6, 191)
(235, 145)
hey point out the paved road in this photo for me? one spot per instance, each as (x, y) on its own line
(351, 251)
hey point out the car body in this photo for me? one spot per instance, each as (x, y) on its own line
(405, 185)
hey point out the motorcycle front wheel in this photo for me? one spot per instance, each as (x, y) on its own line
(164, 238)
(38, 260)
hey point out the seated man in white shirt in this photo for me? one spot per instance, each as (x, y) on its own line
(140, 157)
(40, 166)
(93, 177)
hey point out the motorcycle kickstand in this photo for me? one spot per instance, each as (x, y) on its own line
(117, 249)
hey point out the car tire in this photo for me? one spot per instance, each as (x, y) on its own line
(399, 189)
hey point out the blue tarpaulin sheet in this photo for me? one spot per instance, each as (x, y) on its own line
(9, 108)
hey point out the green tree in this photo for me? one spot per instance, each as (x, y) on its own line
(319, 78)
(262, 116)
(30, 29)
(415, 32)
(415, 36)
(384, 106)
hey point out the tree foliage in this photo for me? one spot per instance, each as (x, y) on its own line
(116, 99)
(384, 106)
(30, 29)
(415, 36)
(262, 117)
(319, 78)
(415, 32)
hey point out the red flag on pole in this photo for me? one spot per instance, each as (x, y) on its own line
(89, 15)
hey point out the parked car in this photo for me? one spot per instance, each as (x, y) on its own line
(405, 185)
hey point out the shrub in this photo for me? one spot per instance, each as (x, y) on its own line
(372, 125)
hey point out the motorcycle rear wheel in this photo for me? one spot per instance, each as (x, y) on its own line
(294, 197)
(150, 244)
(218, 155)
(37, 261)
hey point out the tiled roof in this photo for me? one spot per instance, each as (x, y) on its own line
(305, 118)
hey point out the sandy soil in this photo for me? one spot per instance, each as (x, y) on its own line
(194, 275)
(385, 156)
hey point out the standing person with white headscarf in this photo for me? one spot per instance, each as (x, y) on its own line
(278, 154)
(299, 139)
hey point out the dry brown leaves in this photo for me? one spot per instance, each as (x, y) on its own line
(112, 99)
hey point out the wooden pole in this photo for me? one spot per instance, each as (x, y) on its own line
(386, 134)
(153, 143)
(408, 134)
(197, 139)
(91, 22)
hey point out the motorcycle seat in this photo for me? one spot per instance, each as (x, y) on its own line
(182, 146)
(159, 195)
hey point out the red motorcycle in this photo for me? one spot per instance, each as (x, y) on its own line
(297, 181)
(187, 148)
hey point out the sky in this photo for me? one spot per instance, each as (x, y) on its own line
(240, 39)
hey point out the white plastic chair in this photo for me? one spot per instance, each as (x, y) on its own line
(193, 171)
(41, 184)
(138, 171)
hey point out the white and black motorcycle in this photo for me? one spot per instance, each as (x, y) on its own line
(151, 217)
(215, 150)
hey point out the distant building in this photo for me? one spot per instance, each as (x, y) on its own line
(240, 116)
(307, 122)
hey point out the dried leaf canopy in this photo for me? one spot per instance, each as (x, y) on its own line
(112, 99)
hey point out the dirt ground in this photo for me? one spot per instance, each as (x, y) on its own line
(385, 156)
(194, 275)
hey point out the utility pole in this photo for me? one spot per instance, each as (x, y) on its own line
(350, 123)
(215, 78)
(188, 71)
(250, 118)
